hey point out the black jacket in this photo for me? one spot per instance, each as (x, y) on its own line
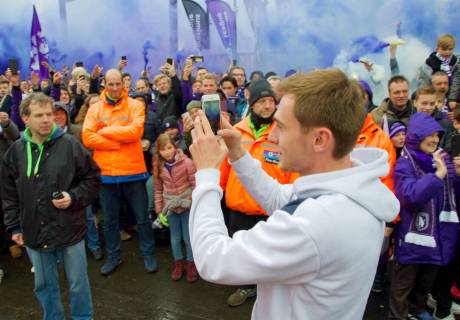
(435, 64)
(65, 166)
(169, 104)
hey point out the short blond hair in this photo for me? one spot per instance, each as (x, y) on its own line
(446, 42)
(159, 77)
(327, 98)
(210, 76)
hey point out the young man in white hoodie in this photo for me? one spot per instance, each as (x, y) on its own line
(316, 255)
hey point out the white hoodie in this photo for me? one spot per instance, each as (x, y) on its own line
(316, 264)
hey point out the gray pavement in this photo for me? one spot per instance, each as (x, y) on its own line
(130, 293)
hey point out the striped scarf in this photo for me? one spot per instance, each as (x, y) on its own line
(423, 227)
(445, 64)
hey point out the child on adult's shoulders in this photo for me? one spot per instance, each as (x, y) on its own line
(443, 59)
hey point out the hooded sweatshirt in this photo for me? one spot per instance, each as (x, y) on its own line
(427, 232)
(70, 128)
(316, 263)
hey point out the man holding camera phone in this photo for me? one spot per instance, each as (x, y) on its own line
(48, 179)
(255, 129)
(307, 258)
(168, 95)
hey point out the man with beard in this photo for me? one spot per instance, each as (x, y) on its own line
(244, 212)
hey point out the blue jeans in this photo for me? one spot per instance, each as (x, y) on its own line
(47, 290)
(178, 227)
(111, 197)
(92, 237)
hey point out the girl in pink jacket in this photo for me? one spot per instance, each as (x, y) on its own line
(174, 180)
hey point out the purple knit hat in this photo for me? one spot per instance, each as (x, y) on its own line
(397, 127)
(368, 90)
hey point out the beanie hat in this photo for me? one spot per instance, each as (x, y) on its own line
(260, 89)
(367, 88)
(170, 122)
(397, 127)
(193, 104)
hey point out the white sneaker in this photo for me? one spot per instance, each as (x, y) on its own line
(455, 309)
(432, 303)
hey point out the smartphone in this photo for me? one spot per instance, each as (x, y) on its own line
(455, 146)
(79, 64)
(197, 58)
(57, 195)
(234, 62)
(124, 58)
(211, 107)
(231, 104)
(13, 65)
(170, 61)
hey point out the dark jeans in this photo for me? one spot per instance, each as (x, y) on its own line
(111, 198)
(240, 221)
(411, 284)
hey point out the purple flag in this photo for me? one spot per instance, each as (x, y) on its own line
(225, 22)
(198, 19)
(366, 45)
(38, 48)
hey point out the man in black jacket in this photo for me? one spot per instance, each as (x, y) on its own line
(169, 95)
(48, 179)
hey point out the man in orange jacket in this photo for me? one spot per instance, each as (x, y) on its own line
(373, 136)
(113, 129)
(244, 212)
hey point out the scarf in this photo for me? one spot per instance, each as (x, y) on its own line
(423, 227)
(445, 64)
(111, 101)
(259, 124)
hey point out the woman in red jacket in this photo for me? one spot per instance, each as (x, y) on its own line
(174, 181)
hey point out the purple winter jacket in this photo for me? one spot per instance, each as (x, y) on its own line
(16, 99)
(414, 193)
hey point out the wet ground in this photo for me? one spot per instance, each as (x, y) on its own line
(130, 293)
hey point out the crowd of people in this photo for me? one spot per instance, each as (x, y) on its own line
(80, 141)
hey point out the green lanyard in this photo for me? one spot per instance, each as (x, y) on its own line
(29, 159)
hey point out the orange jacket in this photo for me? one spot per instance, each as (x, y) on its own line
(114, 133)
(236, 197)
(372, 136)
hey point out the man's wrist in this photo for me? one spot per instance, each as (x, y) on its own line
(235, 155)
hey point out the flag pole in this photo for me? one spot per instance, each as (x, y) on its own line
(173, 38)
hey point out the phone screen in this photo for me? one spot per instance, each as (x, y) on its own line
(231, 104)
(124, 58)
(79, 64)
(169, 61)
(198, 58)
(212, 111)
